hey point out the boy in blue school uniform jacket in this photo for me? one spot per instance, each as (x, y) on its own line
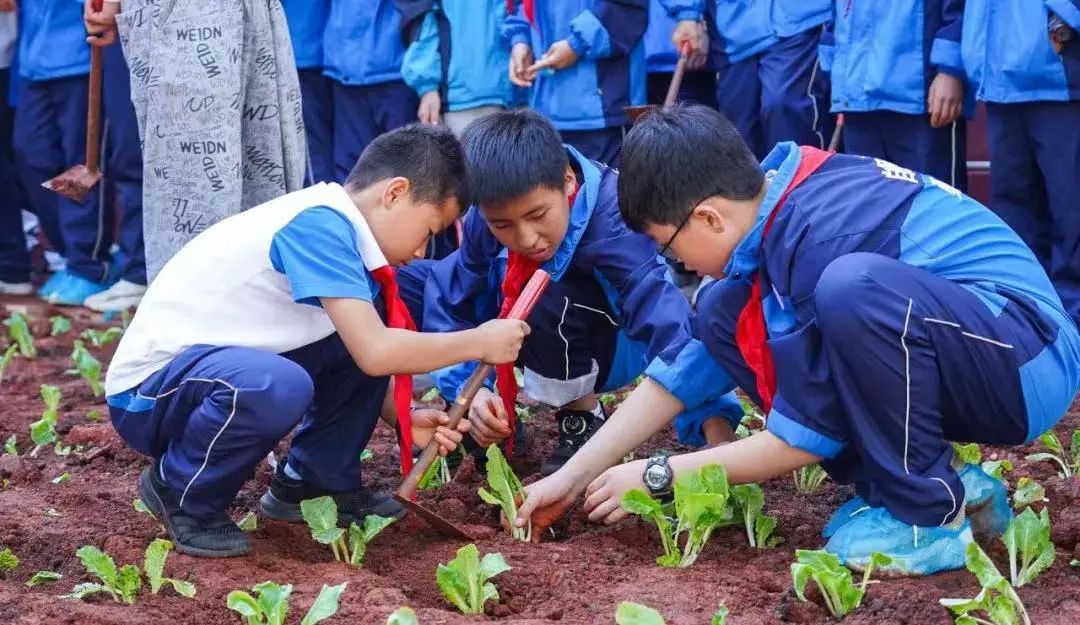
(307, 24)
(14, 257)
(874, 312)
(590, 67)
(362, 52)
(610, 307)
(1023, 58)
(897, 77)
(50, 137)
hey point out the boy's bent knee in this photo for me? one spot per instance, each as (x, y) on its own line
(841, 296)
(278, 390)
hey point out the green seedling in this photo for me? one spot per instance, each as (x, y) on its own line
(249, 523)
(269, 608)
(809, 479)
(1028, 491)
(8, 561)
(608, 400)
(1028, 542)
(403, 616)
(321, 515)
(630, 613)
(94, 416)
(1069, 463)
(59, 325)
(749, 501)
(154, 566)
(122, 585)
(141, 507)
(437, 474)
(19, 329)
(11, 446)
(969, 454)
(43, 431)
(506, 491)
(63, 477)
(833, 580)
(1075, 563)
(997, 601)
(431, 395)
(464, 581)
(522, 413)
(87, 367)
(720, 616)
(9, 355)
(101, 338)
(997, 468)
(44, 577)
(366, 455)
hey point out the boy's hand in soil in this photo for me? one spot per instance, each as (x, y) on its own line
(546, 502)
(521, 57)
(428, 423)
(101, 25)
(500, 340)
(603, 497)
(488, 418)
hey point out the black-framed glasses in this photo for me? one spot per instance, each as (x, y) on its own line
(665, 251)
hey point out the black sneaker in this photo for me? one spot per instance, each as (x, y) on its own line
(282, 501)
(575, 427)
(218, 537)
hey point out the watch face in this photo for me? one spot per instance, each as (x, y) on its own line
(655, 476)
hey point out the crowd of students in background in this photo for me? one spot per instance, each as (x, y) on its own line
(905, 76)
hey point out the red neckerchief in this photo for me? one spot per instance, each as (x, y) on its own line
(397, 316)
(519, 269)
(529, 8)
(751, 333)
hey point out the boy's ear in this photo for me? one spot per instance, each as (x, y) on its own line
(710, 217)
(570, 183)
(395, 189)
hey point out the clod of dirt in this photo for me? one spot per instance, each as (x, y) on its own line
(11, 466)
(555, 615)
(451, 509)
(378, 597)
(97, 434)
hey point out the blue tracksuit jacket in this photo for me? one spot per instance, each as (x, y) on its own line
(739, 29)
(307, 23)
(52, 40)
(362, 44)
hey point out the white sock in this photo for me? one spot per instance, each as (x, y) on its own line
(289, 471)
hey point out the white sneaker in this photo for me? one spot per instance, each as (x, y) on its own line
(120, 296)
(16, 288)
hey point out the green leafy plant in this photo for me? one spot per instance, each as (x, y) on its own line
(94, 416)
(749, 501)
(101, 338)
(63, 477)
(154, 566)
(833, 579)
(630, 613)
(608, 400)
(1028, 542)
(59, 324)
(8, 561)
(431, 395)
(11, 446)
(325, 604)
(122, 585)
(403, 616)
(997, 600)
(87, 367)
(464, 581)
(506, 491)
(271, 606)
(19, 330)
(997, 468)
(249, 523)
(1027, 492)
(969, 454)
(43, 431)
(720, 616)
(809, 479)
(349, 546)
(9, 355)
(44, 577)
(1069, 463)
(141, 507)
(437, 474)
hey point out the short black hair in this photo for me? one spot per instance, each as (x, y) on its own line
(511, 153)
(675, 157)
(430, 157)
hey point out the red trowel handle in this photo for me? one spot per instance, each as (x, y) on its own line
(93, 108)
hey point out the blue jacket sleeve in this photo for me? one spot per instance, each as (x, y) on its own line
(827, 45)
(945, 51)
(684, 9)
(421, 68)
(689, 372)
(610, 28)
(1067, 10)
(515, 28)
(460, 294)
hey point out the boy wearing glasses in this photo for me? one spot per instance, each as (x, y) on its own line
(611, 306)
(875, 313)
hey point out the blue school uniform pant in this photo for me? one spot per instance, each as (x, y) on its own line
(910, 142)
(362, 113)
(50, 137)
(602, 145)
(1035, 185)
(318, 95)
(778, 95)
(916, 361)
(213, 413)
(124, 167)
(14, 257)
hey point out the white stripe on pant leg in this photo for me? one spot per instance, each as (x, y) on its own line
(968, 334)
(951, 496)
(566, 305)
(210, 447)
(813, 101)
(952, 163)
(907, 383)
(599, 312)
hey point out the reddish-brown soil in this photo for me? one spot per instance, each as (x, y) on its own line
(576, 577)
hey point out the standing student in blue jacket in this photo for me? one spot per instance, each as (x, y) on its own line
(307, 24)
(50, 137)
(1023, 57)
(664, 38)
(585, 62)
(898, 79)
(14, 257)
(362, 52)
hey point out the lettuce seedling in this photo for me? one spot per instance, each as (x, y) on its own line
(87, 367)
(968, 454)
(269, 608)
(8, 561)
(366, 455)
(464, 580)
(101, 338)
(63, 477)
(720, 616)
(403, 616)
(1028, 541)
(430, 396)
(506, 491)
(141, 507)
(997, 468)
(154, 566)
(19, 329)
(249, 523)
(43, 431)
(809, 479)
(749, 501)
(122, 585)
(9, 355)
(325, 605)
(630, 613)
(1069, 463)
(639, 502)
(437, 474)
(997, 600)
(11, 445)
(321, 515)
(59, 324)
(44, 577)
(833, 579)
(1028, 491)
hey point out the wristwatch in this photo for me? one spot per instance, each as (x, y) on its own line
(658, 476)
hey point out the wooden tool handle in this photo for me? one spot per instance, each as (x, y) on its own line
(677, 77)
(93, 112)
(524, 305)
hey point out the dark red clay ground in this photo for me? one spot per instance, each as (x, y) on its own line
(578, 577)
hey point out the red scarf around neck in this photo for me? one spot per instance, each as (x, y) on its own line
(397, 316)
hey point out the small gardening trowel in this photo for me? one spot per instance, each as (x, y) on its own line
(406, 493)
(634, 112)
(76, 182)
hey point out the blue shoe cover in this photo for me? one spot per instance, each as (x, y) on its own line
(74, 290)
(986, 501)
(53, 283)
(844, 514)
(914, 550)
